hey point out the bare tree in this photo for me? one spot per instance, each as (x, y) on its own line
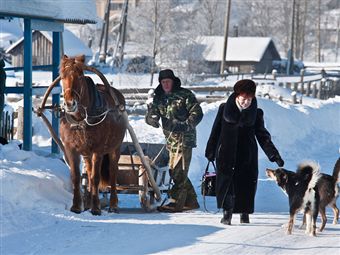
(209, 17)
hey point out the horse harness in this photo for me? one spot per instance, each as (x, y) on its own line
(98, 110)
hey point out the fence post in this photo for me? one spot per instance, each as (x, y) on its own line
(274, 73)
(20, 129)
(319, 90)
(308, 88)
(314, 89)
(294, 86)
(331, 88)
(302, 72)
(293, 94)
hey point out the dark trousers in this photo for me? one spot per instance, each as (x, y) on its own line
(179, 166)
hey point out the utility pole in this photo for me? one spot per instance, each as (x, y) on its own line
(318, 53)
(118, 53)
(290, 60)
(154, 43)
(297, 31)
(303, 31)
(337, 41)
(104, 33)
(226, 30)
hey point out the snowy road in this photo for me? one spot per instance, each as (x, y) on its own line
(132, 232)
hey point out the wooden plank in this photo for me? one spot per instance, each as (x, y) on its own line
(126, 160)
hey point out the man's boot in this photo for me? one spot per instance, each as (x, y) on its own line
(180, 202)
(227, 215)
(191, 205)
(244, 218)
(174, 207)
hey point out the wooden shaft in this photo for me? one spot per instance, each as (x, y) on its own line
(142, 156)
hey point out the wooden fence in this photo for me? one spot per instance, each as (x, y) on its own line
(320, 85)
(322, 88)
(140, 95)
(7, 125)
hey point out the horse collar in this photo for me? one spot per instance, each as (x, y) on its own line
(74, 123)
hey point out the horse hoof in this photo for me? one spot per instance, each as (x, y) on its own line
(75, 209)
(96, 212)
(113, 210)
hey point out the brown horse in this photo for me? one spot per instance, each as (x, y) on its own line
(92, 126)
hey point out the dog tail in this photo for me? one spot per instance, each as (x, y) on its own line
(336, 171)
(310, 170)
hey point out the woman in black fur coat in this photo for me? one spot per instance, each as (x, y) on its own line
(232, 142)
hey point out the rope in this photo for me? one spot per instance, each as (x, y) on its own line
(98, 116)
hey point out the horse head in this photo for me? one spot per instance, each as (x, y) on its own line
(73, 82)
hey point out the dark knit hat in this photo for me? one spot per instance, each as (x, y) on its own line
(245, 87)
(166, 74)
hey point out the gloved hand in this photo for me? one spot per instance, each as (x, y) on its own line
(279, 161)
(179, 126)
(153, 121)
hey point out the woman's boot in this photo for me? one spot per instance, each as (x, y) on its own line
(227, 215)
(244, 218)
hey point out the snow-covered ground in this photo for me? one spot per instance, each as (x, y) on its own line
(36, 195)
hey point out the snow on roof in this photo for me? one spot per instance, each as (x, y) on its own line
(10, 31)
(68, 11)
(72, 45)
(239, 48)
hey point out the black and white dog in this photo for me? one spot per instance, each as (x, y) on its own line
(328, 190)
(302, 192)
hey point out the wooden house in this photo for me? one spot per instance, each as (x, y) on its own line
(244, 54)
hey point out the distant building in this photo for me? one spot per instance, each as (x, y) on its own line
(42, 48)
(244, 54)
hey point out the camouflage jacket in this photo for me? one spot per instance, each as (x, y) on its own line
(180, 105)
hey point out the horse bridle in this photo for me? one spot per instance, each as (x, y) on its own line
(86, 119)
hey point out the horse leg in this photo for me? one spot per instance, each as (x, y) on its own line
(114, 157)
(95, 178)
(74, 161)
(87, 197)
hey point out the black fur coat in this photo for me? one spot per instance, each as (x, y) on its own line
(233, 143)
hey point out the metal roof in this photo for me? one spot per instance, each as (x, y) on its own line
(65, 11)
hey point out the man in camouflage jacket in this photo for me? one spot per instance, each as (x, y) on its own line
(180, 113)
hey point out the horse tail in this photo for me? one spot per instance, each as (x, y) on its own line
(105, 173)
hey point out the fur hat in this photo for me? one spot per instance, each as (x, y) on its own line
(245, 87)
(166, 74)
